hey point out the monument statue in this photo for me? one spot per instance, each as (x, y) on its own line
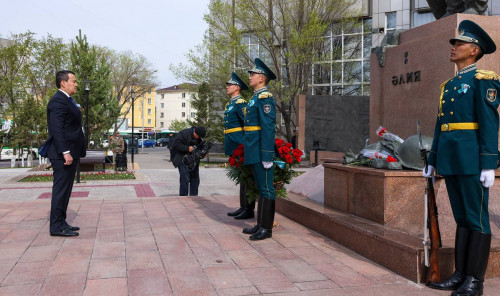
(444, 8)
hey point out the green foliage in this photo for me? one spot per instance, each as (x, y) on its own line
(83, 176)
(178, 125)
(289, 35)
(89, 64)
(206, 113)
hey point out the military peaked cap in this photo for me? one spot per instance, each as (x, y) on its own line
(262, 68)
(469, 31)
(235, 79)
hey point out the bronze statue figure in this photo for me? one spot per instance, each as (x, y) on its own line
(444, 8)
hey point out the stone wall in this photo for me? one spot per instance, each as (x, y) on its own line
(339, 123)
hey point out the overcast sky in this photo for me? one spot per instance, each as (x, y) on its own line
(161, 30)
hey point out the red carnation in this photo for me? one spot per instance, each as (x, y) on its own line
(242, 159)
(285, 150)
(289, 145)
(238, 152)
(232, 161)
(279, 142)
(289, 158)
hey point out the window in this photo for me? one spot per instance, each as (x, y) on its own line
(254, 50)
(149, 101)
(343, 63)
(150, 111)
(162, 115)
(162, 96)
(183, 114)
(193, 114)
(162, 105)
(161, 124)
(183, 95)
(183, 105)
(390, 21)
(149, 121)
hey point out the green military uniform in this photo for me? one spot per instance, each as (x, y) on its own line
(234, 116)
(465, 145)
(260, 124)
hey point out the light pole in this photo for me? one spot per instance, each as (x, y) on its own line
(142, 133)
(87, 91)
(132, 96)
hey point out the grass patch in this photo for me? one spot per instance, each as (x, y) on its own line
(83, 176)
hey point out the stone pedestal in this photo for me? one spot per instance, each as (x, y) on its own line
(407, 87)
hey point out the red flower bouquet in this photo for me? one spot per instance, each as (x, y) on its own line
(287, 157)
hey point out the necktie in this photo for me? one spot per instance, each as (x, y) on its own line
(73, 101)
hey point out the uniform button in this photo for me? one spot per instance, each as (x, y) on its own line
(453, 100)
(459, 77)
(455, 88)
(446, 91)
(443, 101)
(442, 114)
(451, 113)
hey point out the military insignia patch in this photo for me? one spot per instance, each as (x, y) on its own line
(491, 94)
(229, 108)
(252, 102)
(267, 108)
(464, 89)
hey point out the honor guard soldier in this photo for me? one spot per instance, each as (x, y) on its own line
(260, 122)
(465, 152)
(234, 116)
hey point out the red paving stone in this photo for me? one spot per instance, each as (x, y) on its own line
(48, 195)
(179, 246)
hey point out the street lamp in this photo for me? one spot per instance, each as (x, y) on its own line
(132, 96)
(87, 91)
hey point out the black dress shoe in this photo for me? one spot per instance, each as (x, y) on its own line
(470, 287)
(246, 214)
(251, 230)
(73, 228)
(236, 213)
(453, 283)
(262, 234)
(64, 232)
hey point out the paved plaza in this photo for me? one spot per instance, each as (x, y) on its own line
(139, 238)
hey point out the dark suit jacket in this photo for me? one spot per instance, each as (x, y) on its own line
(64, 121)
(182, 141)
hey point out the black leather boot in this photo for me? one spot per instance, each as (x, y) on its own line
(242, 202)
(267, 219)
(462, 238)
(252, 230)
(247, 211)
(477, 262)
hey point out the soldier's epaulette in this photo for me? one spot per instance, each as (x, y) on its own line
(485, 74)
(239, 101)
(265, 95)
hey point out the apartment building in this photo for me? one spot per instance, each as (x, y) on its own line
(174, 103)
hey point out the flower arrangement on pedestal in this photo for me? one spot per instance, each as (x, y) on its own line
(286, 158)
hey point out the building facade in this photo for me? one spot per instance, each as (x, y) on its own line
(144, 112)
(174, 103)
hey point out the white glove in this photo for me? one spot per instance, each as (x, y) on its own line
(430, 171)
(487, 178)
(267, 164)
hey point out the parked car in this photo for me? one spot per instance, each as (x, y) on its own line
(147, 143)
(162, 142)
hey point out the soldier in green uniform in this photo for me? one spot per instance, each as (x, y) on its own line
(234, 115)
(260, 121)
(465, 152)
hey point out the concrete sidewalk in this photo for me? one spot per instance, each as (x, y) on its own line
(170, 245)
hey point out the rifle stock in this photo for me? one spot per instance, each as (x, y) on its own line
(433, 274)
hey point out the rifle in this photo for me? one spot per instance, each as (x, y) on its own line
(431, 222)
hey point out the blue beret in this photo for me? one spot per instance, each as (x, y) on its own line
(470, 32)
(235, 79)
(262, 68)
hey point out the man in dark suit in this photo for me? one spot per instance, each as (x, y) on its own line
(185, 142)
(67, 145)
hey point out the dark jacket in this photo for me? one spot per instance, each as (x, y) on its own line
(64, 121)
(183, 140)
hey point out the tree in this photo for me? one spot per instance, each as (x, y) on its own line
(178, 125)
(129, 70)
(286, 35)
(207, 114)
(90, 64)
